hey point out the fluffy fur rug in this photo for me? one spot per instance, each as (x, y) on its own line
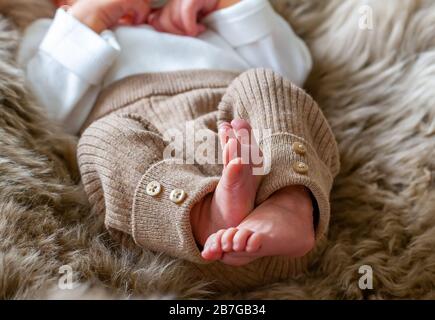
(376, 87)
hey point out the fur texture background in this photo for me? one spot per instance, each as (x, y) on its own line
(377, 90)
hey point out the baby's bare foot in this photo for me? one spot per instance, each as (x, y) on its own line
(232, 240)
(234, 197)
(281, 226)
(235, 194)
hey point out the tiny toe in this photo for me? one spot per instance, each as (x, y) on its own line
(243, 132)
(206, 253)
(238, 124)
(240, 239)
(225, 125)
(227, 240)
(250, 152)
(254, 242)
(225, 132)
(230, 151)
(216, 244)
(212, 248)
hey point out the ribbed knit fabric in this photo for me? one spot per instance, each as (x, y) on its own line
(268, 101)
(121, 152)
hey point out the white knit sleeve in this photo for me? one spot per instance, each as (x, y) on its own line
(263, 38)
(66, 65)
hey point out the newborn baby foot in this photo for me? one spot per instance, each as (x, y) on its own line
(234, 197)
(280, 226)
(232, 240)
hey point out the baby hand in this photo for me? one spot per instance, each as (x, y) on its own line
(182, 16)
(100, 15)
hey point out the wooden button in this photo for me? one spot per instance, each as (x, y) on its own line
(177, 196)
(153, 188)
(299, 148)
(300, 167)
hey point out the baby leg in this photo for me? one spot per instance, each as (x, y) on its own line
(235, 194)
(281, 226)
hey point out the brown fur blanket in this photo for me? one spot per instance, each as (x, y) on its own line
(374, 77)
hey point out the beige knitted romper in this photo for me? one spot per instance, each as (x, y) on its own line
(147, 199)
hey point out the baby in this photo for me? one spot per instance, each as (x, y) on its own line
(123, 72)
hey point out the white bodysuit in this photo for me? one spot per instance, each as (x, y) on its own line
(67, 64)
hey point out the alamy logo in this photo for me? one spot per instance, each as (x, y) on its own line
(66, 281)
(201, 146)
(366, 18)
(366, 280)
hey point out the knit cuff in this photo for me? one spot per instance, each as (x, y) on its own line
(256, 16)
(287, 167)
(161, 224)
(298, 145)
(79, 49)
